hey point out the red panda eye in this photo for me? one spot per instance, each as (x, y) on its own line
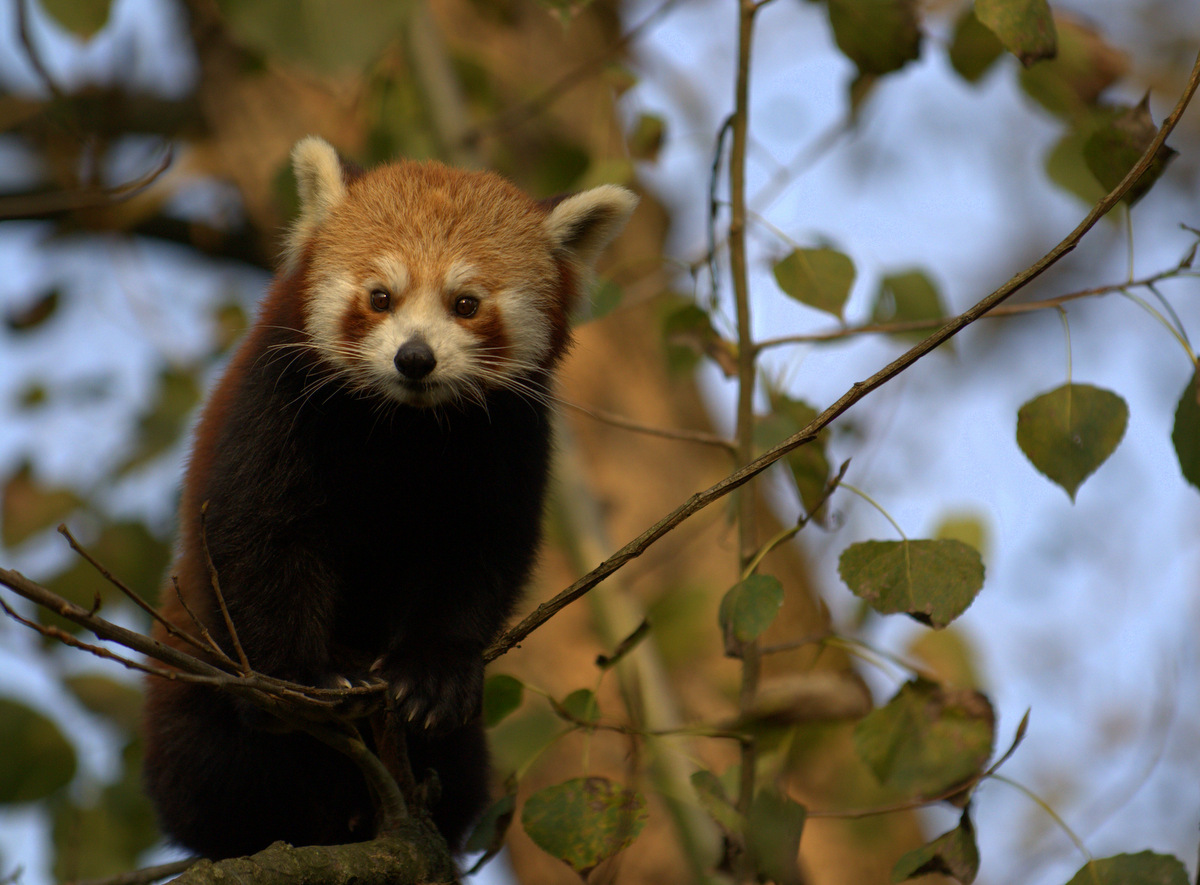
(466, 306)
(380, 299)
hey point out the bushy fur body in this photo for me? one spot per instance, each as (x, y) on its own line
(370, 513)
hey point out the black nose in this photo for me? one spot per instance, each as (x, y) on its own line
(414, 359)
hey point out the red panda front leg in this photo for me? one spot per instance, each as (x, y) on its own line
(436, 688)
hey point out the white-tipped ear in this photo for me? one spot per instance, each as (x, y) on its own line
(320, 185)
(583, 224)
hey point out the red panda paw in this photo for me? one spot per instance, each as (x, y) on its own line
(433, 692)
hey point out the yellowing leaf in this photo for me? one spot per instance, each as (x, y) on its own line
(1070, 431)
(1186, 433)
(29, 508)
(931, 581)
(1143, 868)
(927, 739)
(820, 278)
(1025, 27)
(952, 854)
(584, 821)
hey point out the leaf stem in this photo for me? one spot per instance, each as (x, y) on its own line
(1062, 315)
(877, 506)
(1167, 324)
(1045, 806)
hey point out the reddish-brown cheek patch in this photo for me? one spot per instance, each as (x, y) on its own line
(357, 322)
(488, 328)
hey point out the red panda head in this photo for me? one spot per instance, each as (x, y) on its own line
(428, 284)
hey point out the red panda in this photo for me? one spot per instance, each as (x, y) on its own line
(372, 467)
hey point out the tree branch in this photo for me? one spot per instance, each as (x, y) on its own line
(858, 391)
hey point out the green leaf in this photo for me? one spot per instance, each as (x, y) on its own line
(1143, 868)
(927, 739)
(1112, 150)
(502, 694)
(106, 837)
(820, 278)
(931, 581)
(1025, 27)
(1070, 431)
(974, 48)
(809, 465)
(951, 854)
(581, 705)
(29, 508)
(1186, 433)
(82, 17)
(714, 800)
(773, 831)
(584, 821)
(749, 608)
(879, 36)
(37, 760)
(489, 834)
(1086, 65)
(329, 37)
(907, 297)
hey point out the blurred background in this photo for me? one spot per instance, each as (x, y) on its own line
(143, 190)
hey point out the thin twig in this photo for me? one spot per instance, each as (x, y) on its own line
(216, 587)
(857, 391)
(51, 203)
(200, 625)
(901, 326)
(696, 436)
(135, 598)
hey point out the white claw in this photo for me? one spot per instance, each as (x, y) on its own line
(342, 682)
(428, 721)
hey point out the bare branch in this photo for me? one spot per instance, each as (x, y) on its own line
(696, 436)
(857, 391)
(131, 595)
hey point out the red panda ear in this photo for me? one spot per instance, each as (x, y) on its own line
(321, 184)
(581, 225)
